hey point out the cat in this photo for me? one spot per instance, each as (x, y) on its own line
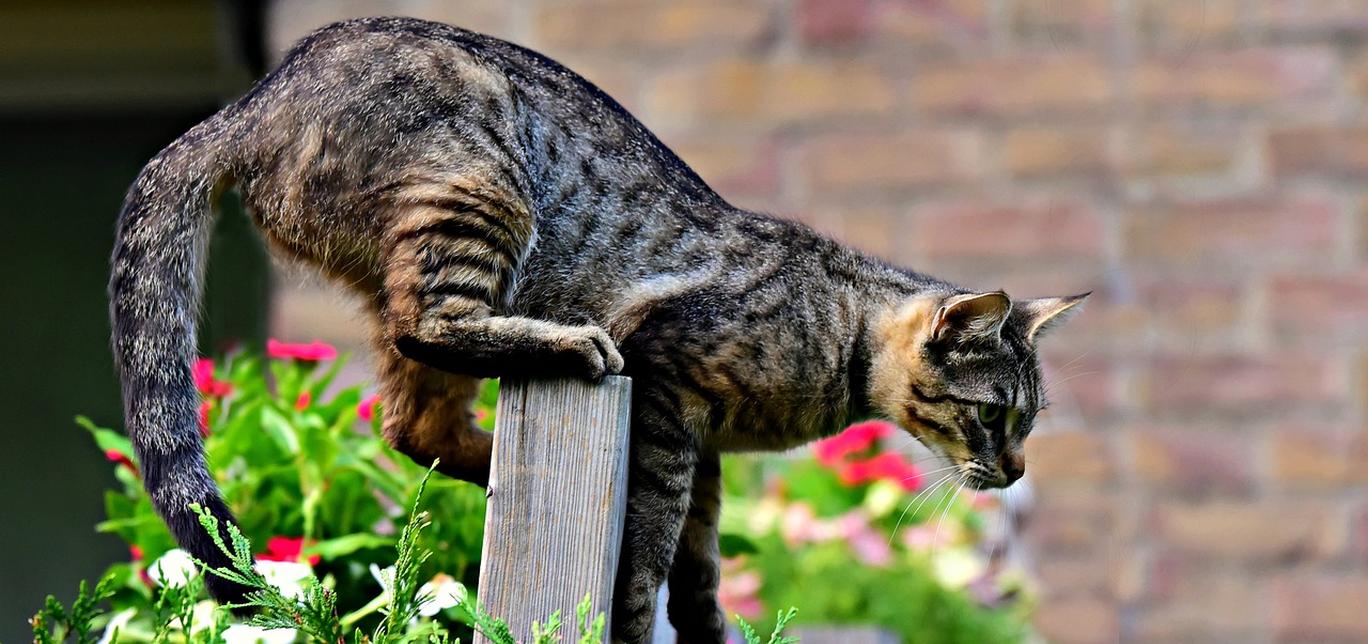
(501, 216)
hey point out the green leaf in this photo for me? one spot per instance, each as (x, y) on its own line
(732, 545)
(330, 549)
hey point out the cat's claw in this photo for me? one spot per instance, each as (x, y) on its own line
(599, 351)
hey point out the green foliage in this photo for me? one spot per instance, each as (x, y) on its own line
(905, 558)
(781, 622)
(302, 462)
(56, 623)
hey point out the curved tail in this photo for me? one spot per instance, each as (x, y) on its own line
(154, 293)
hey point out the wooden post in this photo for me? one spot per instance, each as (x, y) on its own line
(557, 497)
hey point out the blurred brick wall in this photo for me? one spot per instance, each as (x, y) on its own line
(1203, 475)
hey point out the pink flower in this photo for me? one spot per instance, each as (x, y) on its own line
(365, 410)
(481, 415)
(135, 553)
(311, 352)
(799, 524)
(856, 438)
(205, 382)
(286, 549)
(115, 456)
(304, 400)
(869, 546)
(737, 594)
(204, 408)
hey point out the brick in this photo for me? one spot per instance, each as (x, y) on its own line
(1240, 386)
(1240, 79)
(1324, 458)
(946, 24)
(861, 162)
(1080, 620)
(1320, 608)
(772, 93)
(1071, 457)
(1025, 229)
(1192, 603)
(1181, 149)
(1013, 86)
(732, 165)
(1323, 310)
(1058, 23)
(1359, 529)
(640, 26)
(1264, 532)
(1184, 25)
(1067, 518)
(1325, 18)
(1232, 235)
(1185, 309)
(827, 22)
(872, 230)
(1193, 463)
(1075, 573)
(1323, 151)
(1079, 379)
(1056, 152)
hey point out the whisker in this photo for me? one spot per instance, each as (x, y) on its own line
(897, 525)
(935, 541)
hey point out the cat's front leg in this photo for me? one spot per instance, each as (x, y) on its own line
(660, 481)
(694, 576)
(448, 272)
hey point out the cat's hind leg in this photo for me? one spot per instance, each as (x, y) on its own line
(428, 416)
(695, 573)
(659, 484)
(449, 268)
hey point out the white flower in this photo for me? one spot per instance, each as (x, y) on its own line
(384, 577)
(117, 623)
(175, 568)
(437, 595)
(244, 634)
(956, 567)
(288, 576)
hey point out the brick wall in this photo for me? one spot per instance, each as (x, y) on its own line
(1203, 475)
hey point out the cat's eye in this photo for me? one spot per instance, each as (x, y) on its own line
(991, 415)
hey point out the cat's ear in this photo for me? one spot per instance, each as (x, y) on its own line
(1047, 313)
(971, 316)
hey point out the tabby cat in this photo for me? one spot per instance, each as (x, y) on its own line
(501, 216)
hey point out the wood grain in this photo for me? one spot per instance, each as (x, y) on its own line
(557, 497)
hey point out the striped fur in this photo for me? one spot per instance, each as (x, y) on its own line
(501, 216)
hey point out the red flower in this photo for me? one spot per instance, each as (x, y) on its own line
(304, 400)
(135, 553)
(888, 466)
(286, 549)
(311, 352)
(365, 410)
(204, 417)
(115, 456)
(856, 438)
(205, 382)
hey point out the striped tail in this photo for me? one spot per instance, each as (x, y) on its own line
(154, 293)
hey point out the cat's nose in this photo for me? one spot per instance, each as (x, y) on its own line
(1013, 465)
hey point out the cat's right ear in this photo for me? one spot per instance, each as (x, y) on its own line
(971, 316)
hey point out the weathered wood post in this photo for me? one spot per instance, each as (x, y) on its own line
(557, 496)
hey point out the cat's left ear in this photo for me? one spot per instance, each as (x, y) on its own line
(1046, 313)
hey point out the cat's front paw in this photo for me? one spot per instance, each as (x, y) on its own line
(596, 352)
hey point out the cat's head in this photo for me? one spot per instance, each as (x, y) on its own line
(960, 372)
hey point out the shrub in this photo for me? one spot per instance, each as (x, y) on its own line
(331, 531)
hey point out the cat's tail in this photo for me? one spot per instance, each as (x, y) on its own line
(154, 292)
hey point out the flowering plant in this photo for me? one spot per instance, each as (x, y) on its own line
(859, 534)
(303, 467)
